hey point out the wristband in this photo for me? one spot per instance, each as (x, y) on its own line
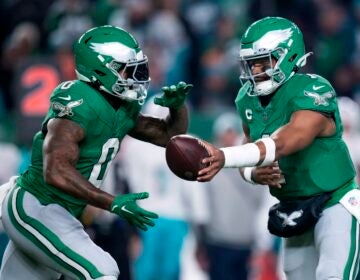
(270, 150)
(249, 154)
(241, 156)
(247, 171)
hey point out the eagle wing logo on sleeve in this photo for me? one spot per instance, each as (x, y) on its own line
(66, 110)
(320, 99)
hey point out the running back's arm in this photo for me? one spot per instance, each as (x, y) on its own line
(159, 131)
(61, 153)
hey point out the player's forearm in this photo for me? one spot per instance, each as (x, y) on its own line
(178, 121)
(159, 131)
(70, 181)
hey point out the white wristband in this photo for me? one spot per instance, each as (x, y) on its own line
(249, 154)
(241, 156)
(270, 150)
(247, 171)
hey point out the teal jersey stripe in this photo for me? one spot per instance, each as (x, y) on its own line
(47, 241)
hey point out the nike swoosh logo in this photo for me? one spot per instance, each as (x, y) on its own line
(65, 97)
(317, 87)
(123, 208)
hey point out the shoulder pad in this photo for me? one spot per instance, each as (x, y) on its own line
(69, 101)
(314, 92)
(68, 90)
(319, 89)
(318, 84)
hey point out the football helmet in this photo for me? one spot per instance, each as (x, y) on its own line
(111, 58)
(277, 45)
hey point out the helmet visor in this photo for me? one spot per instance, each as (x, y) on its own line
(138, 72)
(257, 68)
(132, 79)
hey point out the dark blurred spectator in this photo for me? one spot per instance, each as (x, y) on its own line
(23, 42)
(133, 15)
(186, 61)
(335, 39)
(214, 82)
(202, 16)
(219, 69)
(344, 80)
(66, 21)
(171, 44)
(12, 13)
(302, 12)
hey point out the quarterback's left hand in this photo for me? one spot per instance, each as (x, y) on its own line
(174, 96)
(268, 175)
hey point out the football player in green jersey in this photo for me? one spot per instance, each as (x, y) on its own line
(80, 136)
(294, 145)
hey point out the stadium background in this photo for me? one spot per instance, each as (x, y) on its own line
(192, 40)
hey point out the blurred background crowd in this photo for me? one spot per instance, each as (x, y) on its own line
(217, 228)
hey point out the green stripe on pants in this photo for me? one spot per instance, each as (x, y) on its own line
(47, 241)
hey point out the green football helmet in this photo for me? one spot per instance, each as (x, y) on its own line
(277, 45)
(110, 58)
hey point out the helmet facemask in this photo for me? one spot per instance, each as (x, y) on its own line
(269, 78)
(132, 79)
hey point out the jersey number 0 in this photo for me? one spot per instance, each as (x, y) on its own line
(108, 152)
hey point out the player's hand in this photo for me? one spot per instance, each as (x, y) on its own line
(174, 96)
(215, 162)
(126, 207)
(268, 175)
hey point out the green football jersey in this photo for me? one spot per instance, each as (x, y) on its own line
(324, 165)
(104, 128)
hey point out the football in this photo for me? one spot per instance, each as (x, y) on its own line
(183, 156)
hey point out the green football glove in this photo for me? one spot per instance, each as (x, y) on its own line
(174, 96)
(126, 207)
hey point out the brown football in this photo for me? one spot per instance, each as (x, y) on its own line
(183, 156)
